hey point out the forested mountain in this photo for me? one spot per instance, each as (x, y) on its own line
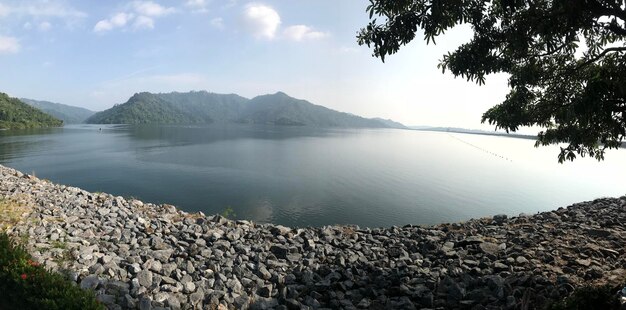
(67, 113)
(15, 114)
(205, 107)
(391, 123)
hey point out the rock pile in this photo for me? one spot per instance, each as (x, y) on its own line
(146, 256)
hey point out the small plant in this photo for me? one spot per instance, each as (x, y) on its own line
(59, 244)
(27, 285)
(11, 213)
(228, 212)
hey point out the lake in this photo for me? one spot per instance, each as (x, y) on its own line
(300, 176)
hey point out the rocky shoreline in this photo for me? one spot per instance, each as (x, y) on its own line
(146, 256)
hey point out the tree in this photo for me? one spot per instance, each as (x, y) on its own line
(566, 60)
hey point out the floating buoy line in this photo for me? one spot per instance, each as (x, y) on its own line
(481, 149)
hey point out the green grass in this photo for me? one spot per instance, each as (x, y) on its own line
(27, 285)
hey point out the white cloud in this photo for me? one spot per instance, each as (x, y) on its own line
(151, 9)
(103, 25)
(260, 20)
(121, 19)
(217, 22)
(118, 20)
(146, 12)
(45, 26)
(199, 6)
(9, 45)
(302, 32)
(144, 22)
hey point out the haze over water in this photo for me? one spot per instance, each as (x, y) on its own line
(300, 176)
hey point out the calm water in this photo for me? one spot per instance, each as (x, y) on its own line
(302, 177)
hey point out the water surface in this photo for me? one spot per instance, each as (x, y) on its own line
(301, 176)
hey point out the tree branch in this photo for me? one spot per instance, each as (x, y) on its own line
(606, 51)
(548, 53)
(615, 29)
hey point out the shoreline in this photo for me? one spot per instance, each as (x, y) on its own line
(141, 255)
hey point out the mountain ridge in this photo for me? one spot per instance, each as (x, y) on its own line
(67, 113)
(207, 107)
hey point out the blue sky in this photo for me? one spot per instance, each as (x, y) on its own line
(96, 54)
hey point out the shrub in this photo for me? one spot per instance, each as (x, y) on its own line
(228, 213)
(590, 298)
(28, 285)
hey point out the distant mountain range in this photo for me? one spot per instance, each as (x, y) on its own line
(471, 131)
(67, 113)
(204, 107)
(15, 114)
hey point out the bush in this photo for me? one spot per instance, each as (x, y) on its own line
(27, 285)
(590, 298)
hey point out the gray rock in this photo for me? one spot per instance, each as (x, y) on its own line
(280, 251)
(262, 303)
(500, 218)
(489, 248)
(189, 287)
(264, 273)
(145, 278)
(145, 303)
(162, 255)
(106, 299)
(241, 302)
(521, 260)
(103, 211)
(469, 241)
(196, 298)
(280, 230)
(90, 282)
(173, 302)
(265, 291)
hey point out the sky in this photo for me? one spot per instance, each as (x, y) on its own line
(95, 54)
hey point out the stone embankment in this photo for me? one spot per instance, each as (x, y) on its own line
(141, 255)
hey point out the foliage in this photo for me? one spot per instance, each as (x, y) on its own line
(27, 285)
(15, 114)
(229, 212)
(67, 113)
(589, 298)
(203, 107)
(566, 60)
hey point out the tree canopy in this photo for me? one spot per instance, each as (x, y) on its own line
(15, 114)
(566, 60)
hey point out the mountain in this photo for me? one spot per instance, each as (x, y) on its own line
(471, 131)
(67, 113)
(15, 114)
(205, 107)
(390, 123)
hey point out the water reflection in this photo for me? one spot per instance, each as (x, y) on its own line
(300, 176)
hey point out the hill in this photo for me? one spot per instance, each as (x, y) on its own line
(391, 123)
(67, 113)
(15, 114)
(205, 107)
